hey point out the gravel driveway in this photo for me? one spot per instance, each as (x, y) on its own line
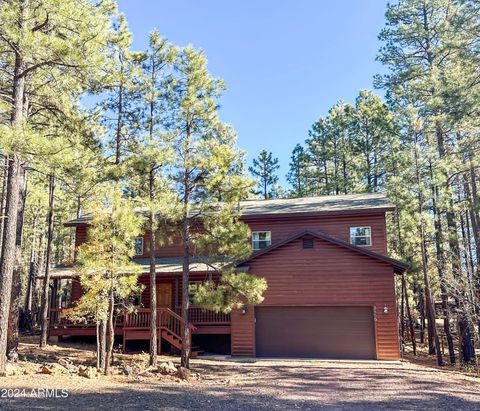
(260, 386)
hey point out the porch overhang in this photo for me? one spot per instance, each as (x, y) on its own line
(170, 265)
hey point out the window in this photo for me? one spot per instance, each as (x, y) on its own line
(261, 239)
(139, 246)
(361, 236)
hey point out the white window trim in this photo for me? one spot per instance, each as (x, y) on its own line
(269, 239)
(361, 236)
(134, 245)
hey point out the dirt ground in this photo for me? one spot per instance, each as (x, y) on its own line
(230, 385)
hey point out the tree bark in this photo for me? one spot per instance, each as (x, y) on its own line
(118, 135)
(31, 268)
(110, 332)
(434, 342)
(186, 337)
(153, 290)
(4, 198)
(432, 329)
(14, 315)
(409, 316)
(46, 279)
(404, 281)
(102, 343)
(466, 340)
(441, 268)
(11, 214)
(421, 309)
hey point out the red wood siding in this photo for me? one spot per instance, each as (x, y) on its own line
(242, 328)
(334, 225)
(326, 275)
(80, 235)
(167, 249)
(170, 249)
(284, 227)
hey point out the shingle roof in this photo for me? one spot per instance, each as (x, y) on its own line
(348, 202)
(302, 205)
(162, 265)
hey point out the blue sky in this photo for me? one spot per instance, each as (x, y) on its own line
(285, 63)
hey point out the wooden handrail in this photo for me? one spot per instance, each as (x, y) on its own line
(197, 315)
(166, 318)
(178, 317)
(141, 318)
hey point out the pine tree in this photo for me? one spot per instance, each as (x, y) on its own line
(297, 176)
(122, 80)
(106, 273)
(425, 50)
(264, 170)
(50, 46)
(319, 154)
(208, 181)
(372, 129)
(151, 157)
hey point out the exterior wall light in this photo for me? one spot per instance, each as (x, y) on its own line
(244, 310)
(385, 309)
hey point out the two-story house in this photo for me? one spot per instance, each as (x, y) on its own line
(331, 291)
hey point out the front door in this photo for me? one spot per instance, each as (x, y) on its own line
(164, 295)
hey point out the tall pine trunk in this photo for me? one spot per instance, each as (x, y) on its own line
(110, 332)
(14, 316)
(432, 328)
(441, 267)
(11, 203)
(118, 133)
(4, 197)
(102, 344)
(404, 281)
(433, 340)
(468, 350)
(153, 289)
(186, 337)
(154, 341)
(31, 272)
(46, 280)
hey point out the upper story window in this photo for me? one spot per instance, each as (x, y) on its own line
(139, 246)
(361, 236)
(261, 239)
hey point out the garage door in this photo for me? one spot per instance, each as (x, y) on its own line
(315, 332)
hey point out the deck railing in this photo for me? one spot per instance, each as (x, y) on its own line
(58, 318)
(141, 319)
(166, 318)
(200, 316)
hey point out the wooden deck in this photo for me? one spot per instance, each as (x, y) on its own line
(137, 324)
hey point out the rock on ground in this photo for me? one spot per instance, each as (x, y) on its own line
(87, 372)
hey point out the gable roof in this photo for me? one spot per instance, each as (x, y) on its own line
(399, 266)
(301, 205)
(321, 204)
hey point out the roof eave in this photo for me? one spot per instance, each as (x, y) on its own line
(373, 210)
(379, 210)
